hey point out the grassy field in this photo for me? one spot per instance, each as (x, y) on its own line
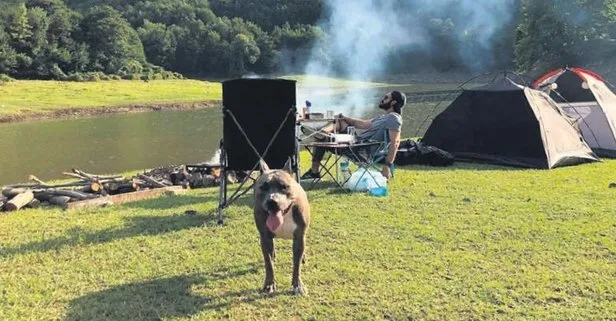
(466, 242)
(20, 97)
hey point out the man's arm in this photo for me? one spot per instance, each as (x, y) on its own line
(358, 123)
(394, 138)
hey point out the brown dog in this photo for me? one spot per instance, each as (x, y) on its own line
(281, 210)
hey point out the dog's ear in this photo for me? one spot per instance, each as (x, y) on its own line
(263, 165)
(288, 167)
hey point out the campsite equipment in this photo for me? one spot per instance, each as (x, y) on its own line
(259, 118)
(510, 124)
(584, 96)
(364, 180)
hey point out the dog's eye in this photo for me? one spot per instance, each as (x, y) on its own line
(284, 187)
(264, 187)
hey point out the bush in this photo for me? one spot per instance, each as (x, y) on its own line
(5, 78)
(92, 76)
(75, 77)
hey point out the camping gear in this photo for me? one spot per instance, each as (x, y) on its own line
(510, 124)
(367, 180)
(258, 122)
(412, 152)
(584, 96)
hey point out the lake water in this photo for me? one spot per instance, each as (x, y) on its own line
(124, 142)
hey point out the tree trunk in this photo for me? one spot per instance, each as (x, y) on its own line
(19, 201)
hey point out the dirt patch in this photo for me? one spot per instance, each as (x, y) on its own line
(77, 112)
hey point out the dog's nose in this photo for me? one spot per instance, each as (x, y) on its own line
(271, 205)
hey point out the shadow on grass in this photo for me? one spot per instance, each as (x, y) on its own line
(164, 203)
(140, 225)
(463, 166)
(165, 298)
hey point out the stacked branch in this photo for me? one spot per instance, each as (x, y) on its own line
(88, 186)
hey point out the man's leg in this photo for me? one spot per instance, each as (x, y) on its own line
(319, 152)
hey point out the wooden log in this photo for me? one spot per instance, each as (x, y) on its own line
(94, 176)
(3, 200)
(75, 176)
(10, 192)
(127, 187)
(125, 198)
(34, 203)
(43, 195)
(59, 200)
(96, 187)
(72, 194)
(36, 180)
(19, 201)
(151, 180)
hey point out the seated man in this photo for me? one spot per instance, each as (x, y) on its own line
(375, 130)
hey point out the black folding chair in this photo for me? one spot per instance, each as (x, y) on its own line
(259, 117)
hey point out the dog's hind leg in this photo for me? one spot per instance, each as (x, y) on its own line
(267, 247)
(299, 240)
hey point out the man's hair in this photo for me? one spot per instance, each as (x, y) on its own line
(400, 99)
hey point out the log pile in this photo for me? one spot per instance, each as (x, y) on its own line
(97, 189)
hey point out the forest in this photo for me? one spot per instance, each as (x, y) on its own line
(162, 39)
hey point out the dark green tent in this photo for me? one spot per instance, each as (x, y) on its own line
(510, 124)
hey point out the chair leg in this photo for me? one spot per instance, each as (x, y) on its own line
(222, 197)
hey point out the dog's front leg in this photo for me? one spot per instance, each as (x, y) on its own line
(298, 255)
(267, 247)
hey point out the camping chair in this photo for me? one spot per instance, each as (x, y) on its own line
(258, 122)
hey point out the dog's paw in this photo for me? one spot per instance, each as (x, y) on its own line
(300, 290)
(269, 288)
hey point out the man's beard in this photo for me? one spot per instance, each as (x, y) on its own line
(384, 106)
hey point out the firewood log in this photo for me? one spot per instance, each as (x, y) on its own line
(3, 200)
(151, 180)
(10, 192)
(93, 177)
(19, 201)
(59, 200)
(34, 203)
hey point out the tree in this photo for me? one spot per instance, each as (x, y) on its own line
(159, 43)
(8, 59)
(112, 42)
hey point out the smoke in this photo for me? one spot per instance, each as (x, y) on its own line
(366, 36)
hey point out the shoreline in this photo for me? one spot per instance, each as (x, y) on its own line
(82, 112)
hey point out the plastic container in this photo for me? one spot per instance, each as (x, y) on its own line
(379, 191)
(345, 170)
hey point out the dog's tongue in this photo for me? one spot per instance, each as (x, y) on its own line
(274, 220)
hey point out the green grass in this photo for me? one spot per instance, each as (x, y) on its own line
(466, 242)
(21, 96)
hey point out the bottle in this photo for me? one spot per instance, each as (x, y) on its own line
(307, 109)
(345, 170)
